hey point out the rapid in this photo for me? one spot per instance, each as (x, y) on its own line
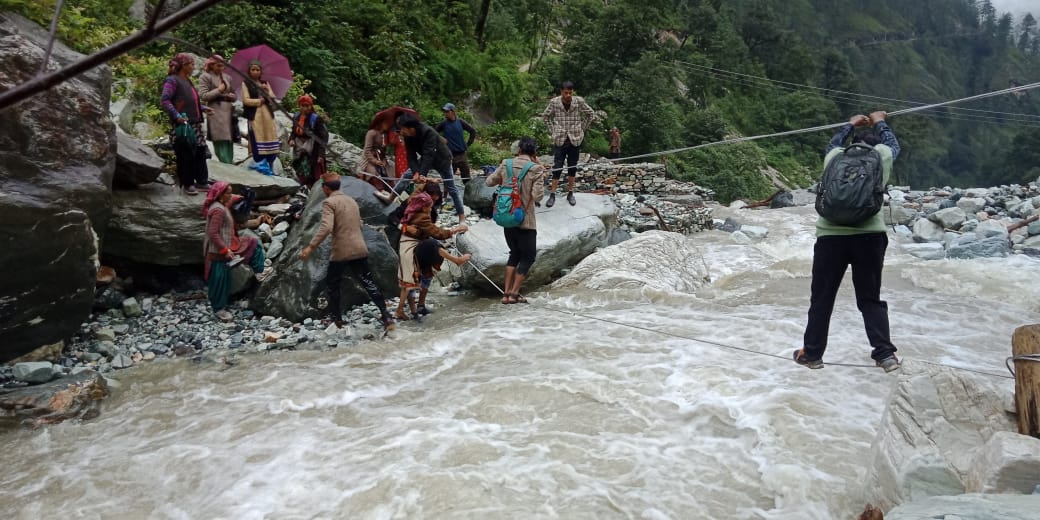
(529, 411)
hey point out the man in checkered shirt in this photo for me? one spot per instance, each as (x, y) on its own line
(567, 116)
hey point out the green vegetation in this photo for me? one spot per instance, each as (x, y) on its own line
(668, 73)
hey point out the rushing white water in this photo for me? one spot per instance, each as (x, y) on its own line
(495, 411)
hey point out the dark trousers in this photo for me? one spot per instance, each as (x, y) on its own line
(567, 151)
(831, 257)
(461, 161)
(523, 247)
(191, 164)
(359, 271)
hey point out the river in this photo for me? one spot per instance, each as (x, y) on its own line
(528, 411)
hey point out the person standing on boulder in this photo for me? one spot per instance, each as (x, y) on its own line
(215, 89)
(257, 102)
(428, 152)
(222, 249)
(181, 101)
(341, 217)
(452, 129)
(863, 247)
(309, 139)
(568, 117)
(523, 239)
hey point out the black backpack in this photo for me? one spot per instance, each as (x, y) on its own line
(852, 188)
(242, 209)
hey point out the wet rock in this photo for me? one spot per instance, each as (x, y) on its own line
(53, 186)
(76, 396)
(267, 187)
(478, 196)
(755, 232)
(156, 224)
(897, 214)
(927, 250)
(637, 263)
(136, 164)
(969, 246)
(782, 200)
(293, 291)
(34, 372)
(928, 231)
(936, 421)
(105, 334)
(965, 507)
(1008, 463)
(122, 361)
(949, 218)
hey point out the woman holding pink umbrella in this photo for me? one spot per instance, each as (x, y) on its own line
(263, 132)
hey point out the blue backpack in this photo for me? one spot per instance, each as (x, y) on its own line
(509, 209)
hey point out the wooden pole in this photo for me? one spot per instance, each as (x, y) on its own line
(1026, 342)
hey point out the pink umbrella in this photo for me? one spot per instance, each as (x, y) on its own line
(276, 69)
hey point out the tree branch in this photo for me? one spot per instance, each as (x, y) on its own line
(146, 35)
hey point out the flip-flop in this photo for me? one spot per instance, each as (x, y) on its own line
(507, 298)
(519, 298)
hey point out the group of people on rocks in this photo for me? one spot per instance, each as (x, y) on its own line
(426, 159)
(431, 155)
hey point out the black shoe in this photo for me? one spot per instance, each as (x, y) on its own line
(421, 310)
(552, 200)
(799, 357)
(570, 198)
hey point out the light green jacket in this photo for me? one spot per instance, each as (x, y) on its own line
(875, 224)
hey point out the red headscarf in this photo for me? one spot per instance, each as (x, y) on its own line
(305, 100)
(214, 194)
(416, 203)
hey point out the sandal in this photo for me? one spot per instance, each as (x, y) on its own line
(799, 357)
(508, 298)
(518, 298)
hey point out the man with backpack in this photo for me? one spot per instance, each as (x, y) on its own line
(521, 180)
(851, 231)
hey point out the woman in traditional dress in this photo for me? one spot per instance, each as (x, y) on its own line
(181, 101)
(258, 98)
(215, 90)
(223, 249)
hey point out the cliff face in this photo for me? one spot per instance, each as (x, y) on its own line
(57, 157)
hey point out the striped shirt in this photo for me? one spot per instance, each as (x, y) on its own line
(568, 124)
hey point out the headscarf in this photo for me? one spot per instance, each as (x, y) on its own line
(214, 194)
(305, 99)
(211, 61)
(416, 203)
(178, 61)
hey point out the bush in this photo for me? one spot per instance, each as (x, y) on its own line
(733, 171)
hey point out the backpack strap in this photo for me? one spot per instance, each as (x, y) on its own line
(523, 173)
(509, 172)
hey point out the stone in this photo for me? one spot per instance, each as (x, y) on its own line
(121, 328)
(927, 231)
(969, 507)
(267, 187)
(926, 251)
(242, 278)
(122, 361)
(275, 249)
(156, 224)
(345, 155)
(53, 186)
(73, 397)
(936, 420)
(755, 232)
(658, 260)
(949, 218)
(136, 164)
(1008, 463)
(566, 235)
(293, 290)
(783, 199)
(131, 308)
(34, 372)
(897, 215)
(280, 228)
(51, 353)
(105, 334)
(991, 228)
(739, 237)
(271, 337)
(729, 225)
(478, 197)
(274, 209)
(971, 204)
(970, 246)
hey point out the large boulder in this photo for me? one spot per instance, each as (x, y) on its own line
(267, 187)
(156, 224)
(566, 235)
(294, 289)
(136, 164)
(373, 211)
(57, 156)
(937, 421)
(341, 154)
(658, 260)
(969, 507)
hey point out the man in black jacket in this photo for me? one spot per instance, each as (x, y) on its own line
(428, 152)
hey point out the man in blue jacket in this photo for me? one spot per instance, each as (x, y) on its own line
(863, 247)
(452, 128)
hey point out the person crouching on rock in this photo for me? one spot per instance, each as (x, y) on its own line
(223, 249)
(522, 239)
(341, 217)
(416, 226)
(430, 255)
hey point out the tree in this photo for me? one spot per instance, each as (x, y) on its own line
(1028, 32)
